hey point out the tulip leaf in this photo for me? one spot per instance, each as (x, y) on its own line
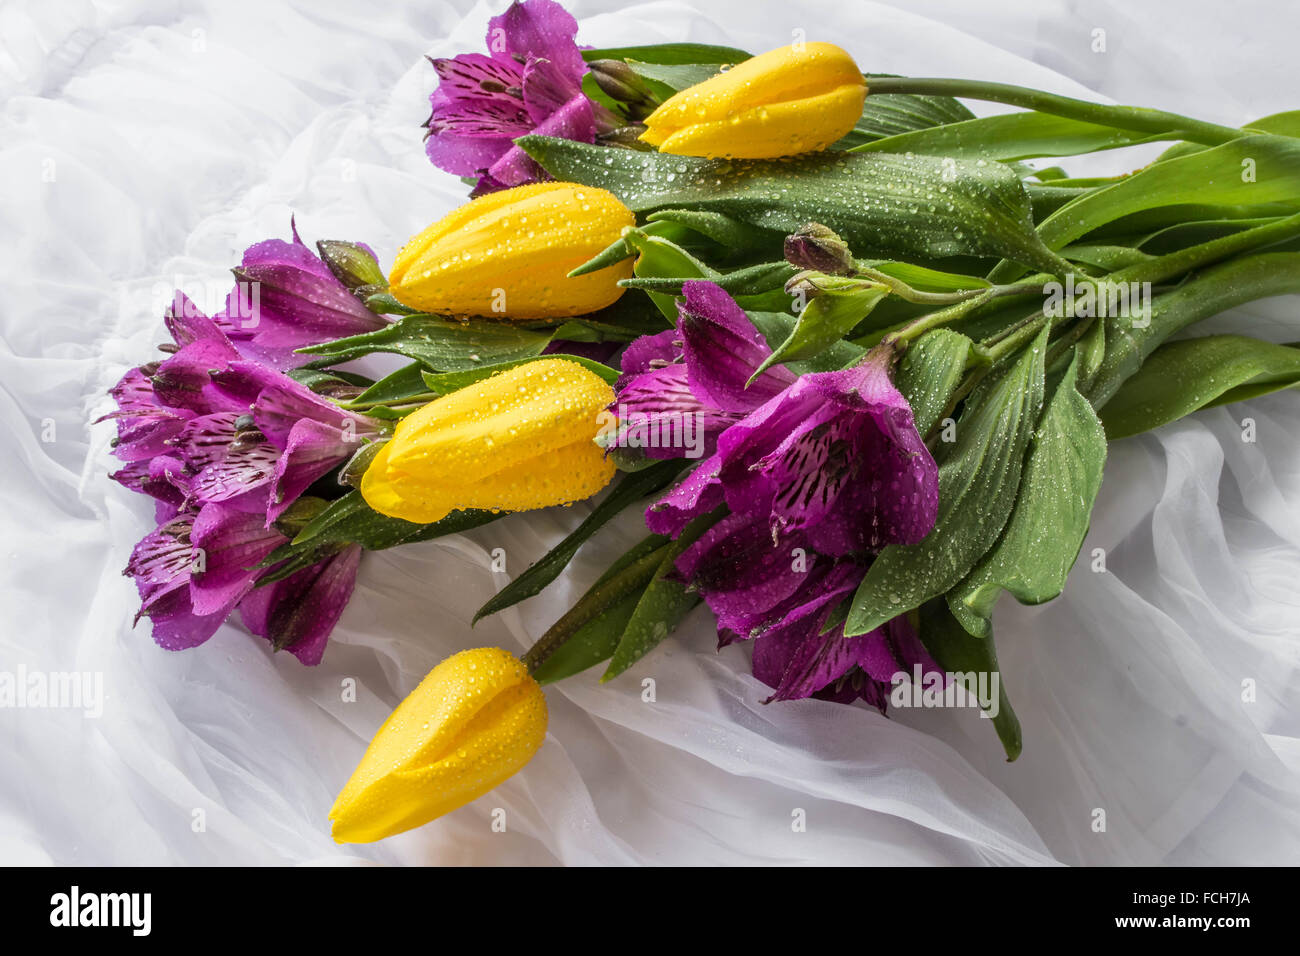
(596, 640)
(929, 374)
(1011, 136)
(1180, 377)
(663, 604)
(1259, 172)
(965, 657)
(440, 344)
(882, 204)
(669, 53)
(444, 383)
(1042, 538)
(630, 489)
(978, 478)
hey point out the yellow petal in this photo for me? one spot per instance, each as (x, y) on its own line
(474, 721)
(782, 129)
(520, 440)
(508, 255)
(814, 84)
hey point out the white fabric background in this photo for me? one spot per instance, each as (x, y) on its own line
(176, 133)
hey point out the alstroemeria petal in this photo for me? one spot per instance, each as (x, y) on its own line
(722, 350)
(297, 613)
(229, 544)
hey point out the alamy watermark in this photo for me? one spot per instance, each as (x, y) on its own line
(52, 690)
(1099, 298)
(922, 688)
(628, 428)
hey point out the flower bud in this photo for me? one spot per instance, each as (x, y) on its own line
(473, 722)
(794, 99)
(508, 254)
(619, 82)
(352, 263)
(818, 248)
(522, 439)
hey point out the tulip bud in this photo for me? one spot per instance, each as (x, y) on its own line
(791, 100)
(508, 254)
(522, 439)
(818, 248)
(473, 722)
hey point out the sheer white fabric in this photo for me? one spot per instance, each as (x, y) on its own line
(149, 140)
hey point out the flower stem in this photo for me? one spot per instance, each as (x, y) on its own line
(1136, 118)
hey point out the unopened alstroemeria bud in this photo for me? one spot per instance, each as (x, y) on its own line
(508, 255)
(473, 722)
(351, 263)
(619, 82)
(817, 247)
(522, 439)
(791, 100)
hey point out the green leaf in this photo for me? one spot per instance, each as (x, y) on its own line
(1180, 377)
(350, 520)
(662, 606)
(777, 327)
(1010, 136)
(444, 383)
(659, 258)
(440, 344)
(665, 79)
(825, 320)
(977, 486)
(596, 640)
(1211, 176)
(1053, 506)
(669, 53)
(632, 488)
(960, 653)
(929, 374)
(882, 204)
(403, 383)
(928, 280)
(1208, 292)
(323, 382)
(736, 236)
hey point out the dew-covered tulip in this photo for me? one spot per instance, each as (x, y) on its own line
(473, 722)
(522, 439)
(508, 255)
(794, 99)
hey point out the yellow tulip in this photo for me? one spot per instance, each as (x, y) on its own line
(474, 721)
(508, 254)
(791, 100)
(522, 439)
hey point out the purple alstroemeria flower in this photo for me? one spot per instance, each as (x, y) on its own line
(530, 81)
(285, 298)
(692, 379)
(198, 566)
(779, 596)
(224, 445)
(834, 456)
(227, 429)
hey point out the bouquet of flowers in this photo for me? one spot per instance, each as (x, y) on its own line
(855, 360)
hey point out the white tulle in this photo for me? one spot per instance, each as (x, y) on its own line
(148, 142)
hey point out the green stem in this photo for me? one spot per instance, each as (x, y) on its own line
(1137, 118)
